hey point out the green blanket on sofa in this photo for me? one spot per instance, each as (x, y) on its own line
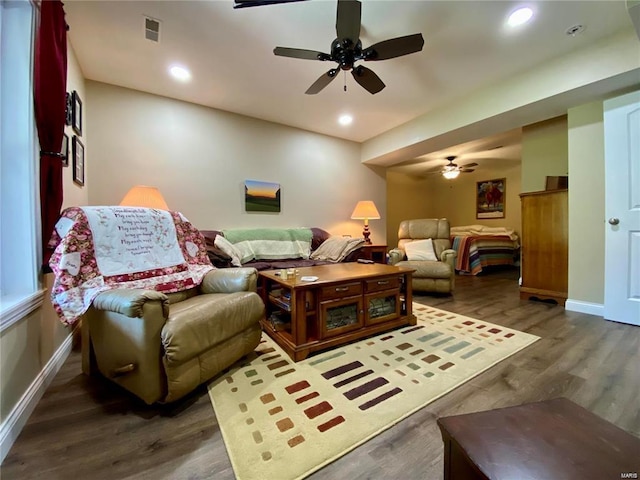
(270, 243)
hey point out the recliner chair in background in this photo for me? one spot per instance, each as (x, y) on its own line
(437, 275)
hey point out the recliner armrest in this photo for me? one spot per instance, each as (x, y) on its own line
(129, 301)
(449, 256)
(230, 280)
(395, 255)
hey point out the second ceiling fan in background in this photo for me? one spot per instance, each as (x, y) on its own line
(452, 170)
(347, 49)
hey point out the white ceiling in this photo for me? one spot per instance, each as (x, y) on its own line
(230, 54)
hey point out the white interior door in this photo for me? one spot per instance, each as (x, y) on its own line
(622, 187)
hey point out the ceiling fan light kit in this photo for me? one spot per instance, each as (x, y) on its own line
(451, 170)
(347, 49)
(450, 174)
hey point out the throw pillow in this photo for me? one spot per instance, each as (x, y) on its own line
(218, 257)
(335, 249)
(353, 244)
(420, 250)
(229, 248)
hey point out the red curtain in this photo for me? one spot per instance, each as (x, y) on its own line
(50, 80)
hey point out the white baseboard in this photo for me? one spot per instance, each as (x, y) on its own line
(16, 420)
(584, 307)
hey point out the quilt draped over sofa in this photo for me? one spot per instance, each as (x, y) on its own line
(104, 248)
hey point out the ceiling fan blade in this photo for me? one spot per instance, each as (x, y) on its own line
(257, 3)
(324, 80)
(395, 47)
(348, 18)
(300, 53)
(367, 79)
(466, 170)
(470, 165)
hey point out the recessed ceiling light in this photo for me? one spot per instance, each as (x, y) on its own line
(345, 120)
(520, 16)
(180, 73)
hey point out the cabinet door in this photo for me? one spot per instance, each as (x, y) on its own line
(544, 241)
(382, 307)
(340, 316)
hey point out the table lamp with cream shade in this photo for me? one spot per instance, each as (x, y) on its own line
(365, 210)
(144, 196)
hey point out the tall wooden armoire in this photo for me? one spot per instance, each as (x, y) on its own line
(545, 245)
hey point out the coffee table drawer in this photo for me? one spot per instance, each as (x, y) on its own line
(380, 284)
(341, 291)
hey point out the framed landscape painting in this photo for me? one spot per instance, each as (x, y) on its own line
(261, 196)
(490, 198)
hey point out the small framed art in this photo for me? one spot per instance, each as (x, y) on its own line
(78, 161)
(64, 151)
(76, 113)
(490, 198)
(68, 111)
(261, 196)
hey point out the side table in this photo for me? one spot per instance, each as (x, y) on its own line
(554, 439)
(376, 253)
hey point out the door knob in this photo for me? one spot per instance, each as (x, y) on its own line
(614, 221)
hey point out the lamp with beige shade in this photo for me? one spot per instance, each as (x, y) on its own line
(365, 210)
(144, 196)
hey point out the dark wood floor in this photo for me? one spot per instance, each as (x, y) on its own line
(83, 428)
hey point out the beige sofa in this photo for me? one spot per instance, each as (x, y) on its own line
(430, 275)
(162, 346)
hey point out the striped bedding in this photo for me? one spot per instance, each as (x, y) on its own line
(480, 251)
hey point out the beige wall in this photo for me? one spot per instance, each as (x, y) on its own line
(586, 203)
(200, 157)
(407, 197)
(75, 194)
(456, 199)
(436, 197)
(544, 153)
(28, 345)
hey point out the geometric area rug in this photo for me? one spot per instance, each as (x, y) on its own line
(285, 420)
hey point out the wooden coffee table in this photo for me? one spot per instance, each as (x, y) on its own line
(346, 302)
(554, 439)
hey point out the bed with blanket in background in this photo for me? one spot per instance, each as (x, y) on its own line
(479, 247)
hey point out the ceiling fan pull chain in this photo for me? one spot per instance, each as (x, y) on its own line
(345, 80)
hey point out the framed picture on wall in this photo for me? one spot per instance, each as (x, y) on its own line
(78, 161)
(261, 196)
(76, 113)
(491, 198)
(64, 151)
(68, 111)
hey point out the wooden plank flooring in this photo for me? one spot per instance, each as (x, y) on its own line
(84, 428)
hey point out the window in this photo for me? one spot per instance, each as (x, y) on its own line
(20, 292)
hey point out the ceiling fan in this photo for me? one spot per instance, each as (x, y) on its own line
(257, 3)
(451, 170)
(347, 49)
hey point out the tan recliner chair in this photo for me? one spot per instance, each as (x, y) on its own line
(160, 347)
(429, 276)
